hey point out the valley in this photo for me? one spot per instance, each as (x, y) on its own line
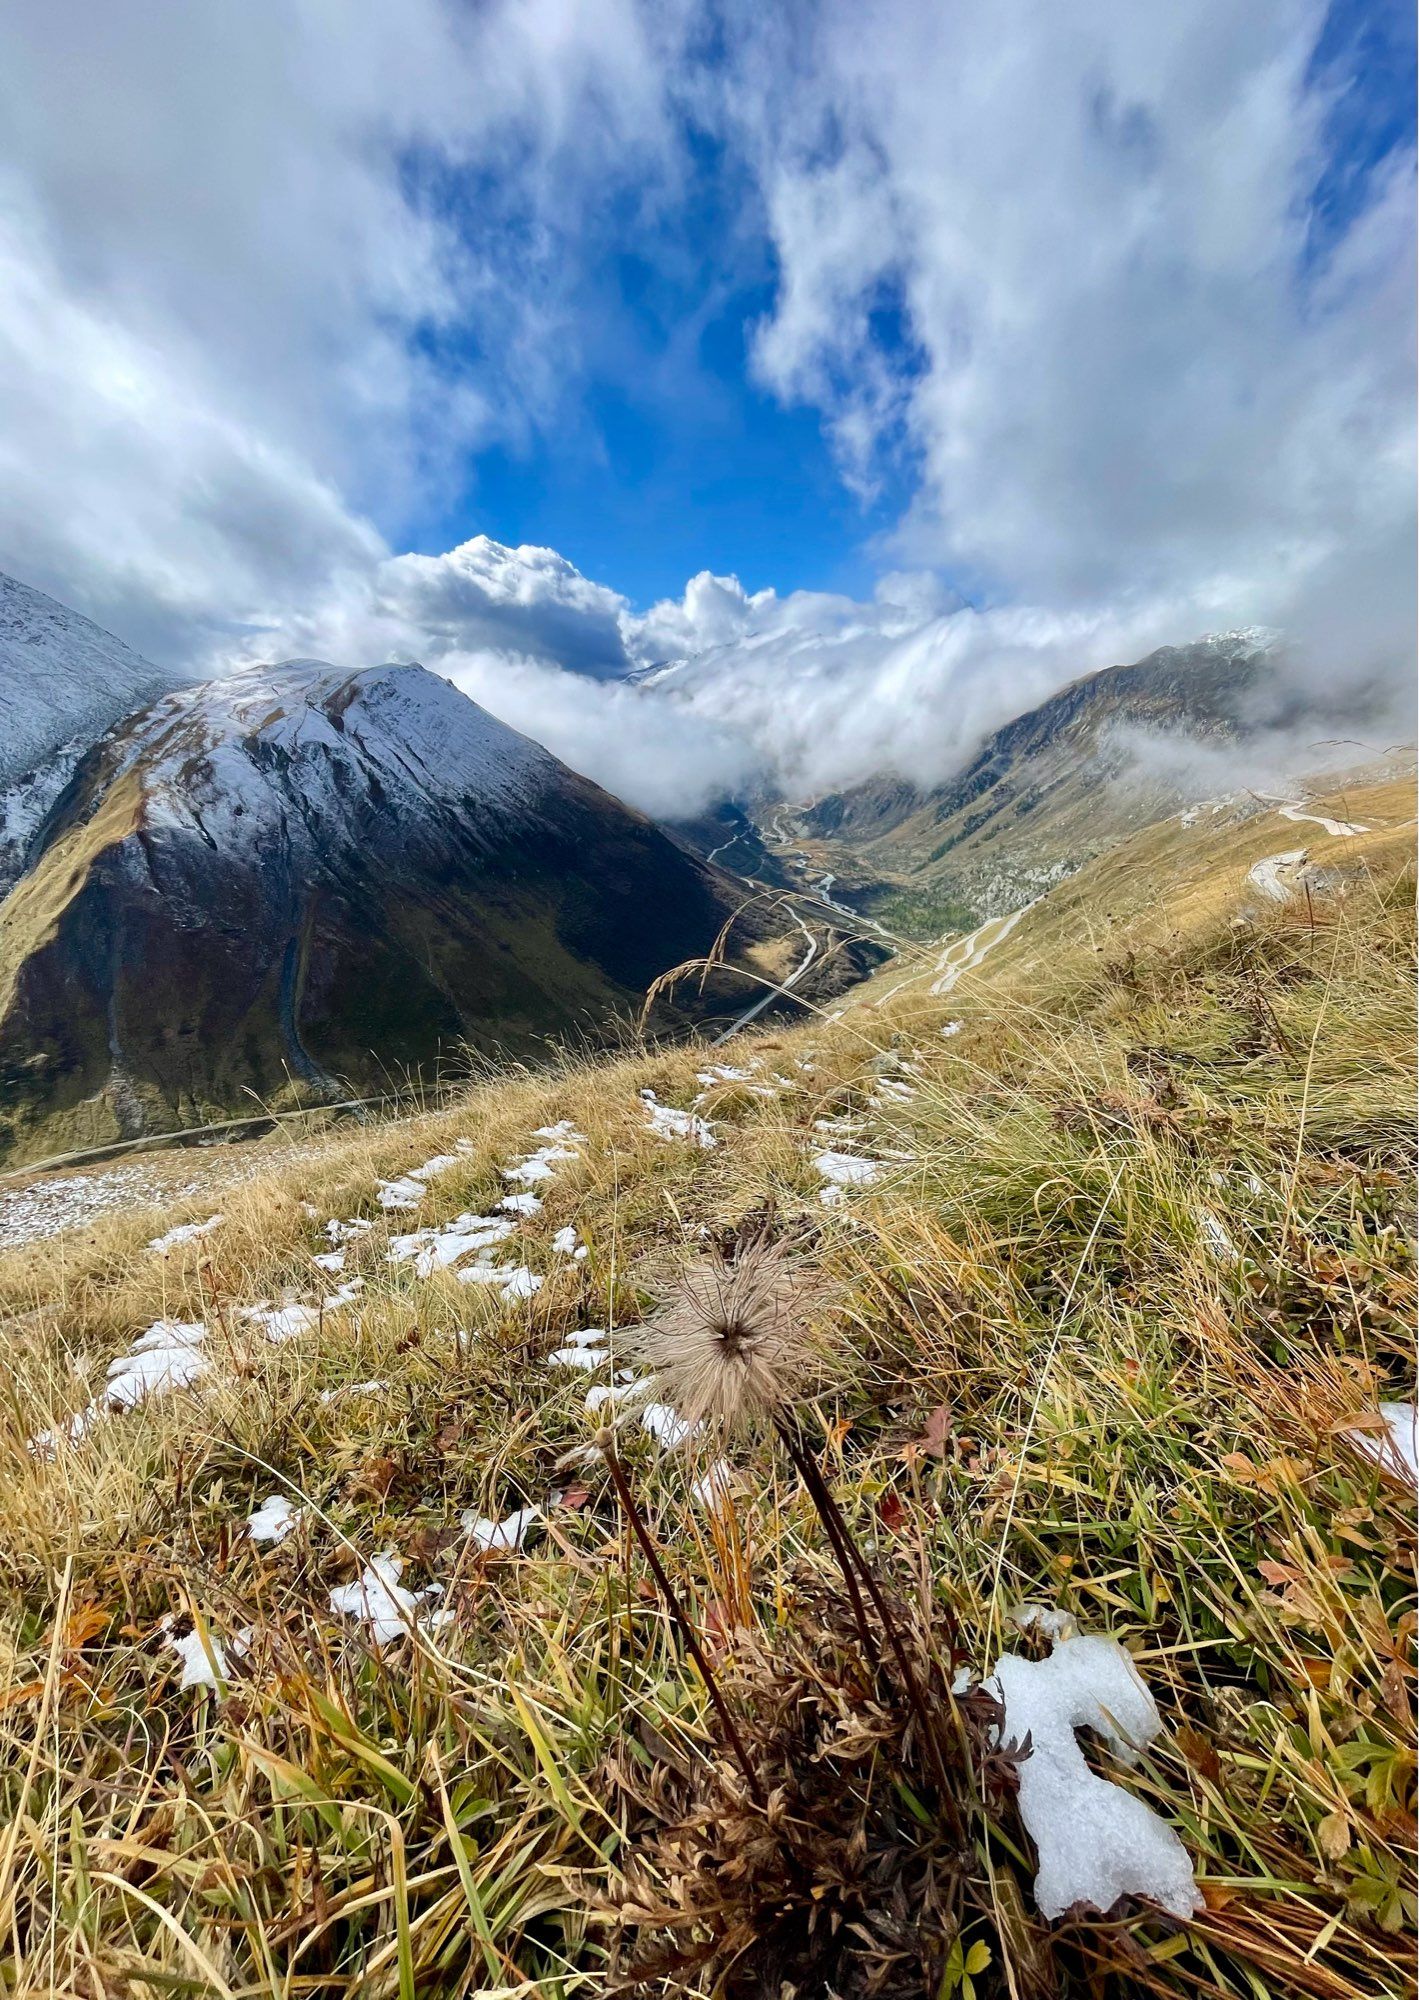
(402, 1132)
(317, 1467)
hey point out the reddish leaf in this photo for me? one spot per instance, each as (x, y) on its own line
(891, 1512)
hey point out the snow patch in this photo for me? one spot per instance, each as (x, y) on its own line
(665, 1424)
(668, 1123)
(1095, 1841)
(515, 1281)
(281, 1323)
(403, 1193)
(433, 1250)
(353, 1389)
(205, 1658)
(506, 1534)
(844, 1170)
(185, 1232)
(378, 1600)
(273, 1519)
(1397, 1448)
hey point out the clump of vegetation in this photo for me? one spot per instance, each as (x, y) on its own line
(1110, 1324)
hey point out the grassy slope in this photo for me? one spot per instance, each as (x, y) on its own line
(1137, 1428)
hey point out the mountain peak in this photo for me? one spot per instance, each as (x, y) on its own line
(61, 677)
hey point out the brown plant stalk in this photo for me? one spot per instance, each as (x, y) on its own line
(607, 1444)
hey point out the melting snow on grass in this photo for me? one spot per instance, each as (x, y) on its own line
(1396, 1448)
(713, 1484)
(346, 1232)
(379, 1601)
(666, 1425)
(281, 1323)
(433, 1250)
(506, 1534)
(585, 1350)
(403, 1193)
(842, 1171)
(204, 1656)
(1095, 1841)
(186, 1232)
(1216, 1237)
(515, 1281)
(273, 1519)
(668, 1123)
(168, 1356)
(353, 1389)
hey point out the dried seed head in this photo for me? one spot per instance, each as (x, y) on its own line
(734, 1341)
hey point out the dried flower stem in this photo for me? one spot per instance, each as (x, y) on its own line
(836, 1533)
(682, 1619)
(850, 1556)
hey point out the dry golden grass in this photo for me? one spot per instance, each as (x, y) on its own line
(1057, 1383)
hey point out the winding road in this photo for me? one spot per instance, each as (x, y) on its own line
(751, 1013)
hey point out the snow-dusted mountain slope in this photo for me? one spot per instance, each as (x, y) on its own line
(303, 878)
(61, 677)
(63, 681)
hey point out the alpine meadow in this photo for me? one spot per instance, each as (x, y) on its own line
(708, 1001)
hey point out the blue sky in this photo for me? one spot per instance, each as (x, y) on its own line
(672, 456)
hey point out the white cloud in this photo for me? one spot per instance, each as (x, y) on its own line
(273, 271)
(1123, 371)
(272, 274)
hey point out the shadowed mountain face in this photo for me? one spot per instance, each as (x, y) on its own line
(300, 880)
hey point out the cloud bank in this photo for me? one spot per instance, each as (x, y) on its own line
(1121, 297)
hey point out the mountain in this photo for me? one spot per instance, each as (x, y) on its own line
(305, 880)
(1108, 754)
(63, 681)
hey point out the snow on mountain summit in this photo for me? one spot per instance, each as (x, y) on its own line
(61, 677)
(301, 745)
